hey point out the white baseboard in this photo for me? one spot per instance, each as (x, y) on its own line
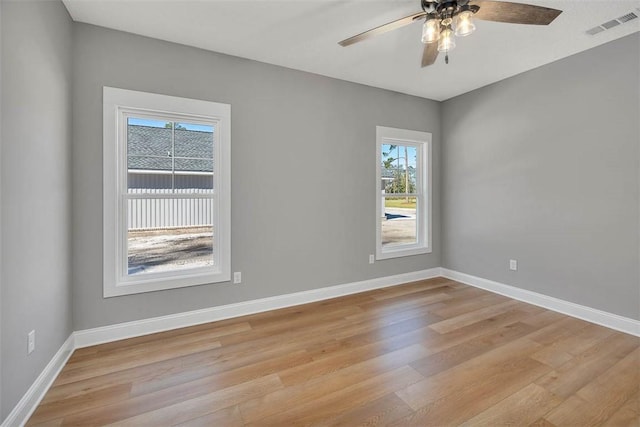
(29, 402)
(23, 410)
(89, 337)
(603, 318)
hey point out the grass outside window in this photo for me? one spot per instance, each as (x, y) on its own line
(400, 203)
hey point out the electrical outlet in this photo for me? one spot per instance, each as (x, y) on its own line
(513, 264)
(372, 259)
(237, 277)
(31, 342)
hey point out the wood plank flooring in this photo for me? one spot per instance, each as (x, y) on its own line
(429, 353)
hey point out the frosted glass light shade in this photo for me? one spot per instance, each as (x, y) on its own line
(447, 40)
(465, 25)
(431, 31)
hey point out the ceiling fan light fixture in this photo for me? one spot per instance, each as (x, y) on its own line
(443, 20)
(447, 40)
(431, 31)
(465, 25)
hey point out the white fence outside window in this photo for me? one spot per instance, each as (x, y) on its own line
(175, 209)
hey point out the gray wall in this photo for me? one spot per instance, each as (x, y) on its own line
(36, 189)
(1, 62)
(543, 167)
(303, 171)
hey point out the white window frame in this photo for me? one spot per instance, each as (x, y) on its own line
(117, 104)
(422, 142)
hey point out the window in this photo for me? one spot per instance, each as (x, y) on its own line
(403, 192)
(166, 192)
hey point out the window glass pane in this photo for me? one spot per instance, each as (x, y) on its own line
(149, 175)
(139, 164)
(139, 182)
(165, 250)
(398, 221)
(193, 165)
(399, 168)
(169, 234)
(147, 138)
(149, 161)
(195, 183)
(194, 141)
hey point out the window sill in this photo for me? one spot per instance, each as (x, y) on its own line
(160, 282)
(402, 252)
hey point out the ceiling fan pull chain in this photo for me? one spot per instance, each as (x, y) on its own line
(446, 58)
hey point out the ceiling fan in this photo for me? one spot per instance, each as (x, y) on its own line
(445, 19)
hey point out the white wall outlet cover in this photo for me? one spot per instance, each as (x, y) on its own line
(513, 264)
(237, 277)
(31, 342)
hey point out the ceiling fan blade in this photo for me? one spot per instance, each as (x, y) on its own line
(515, 13)
(429, 54)
(382, 29)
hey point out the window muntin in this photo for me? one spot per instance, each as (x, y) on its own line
(166, 171)
(403, 208)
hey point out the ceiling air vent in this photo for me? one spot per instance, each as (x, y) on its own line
(613, 23)
(595, 30)
(628, 17)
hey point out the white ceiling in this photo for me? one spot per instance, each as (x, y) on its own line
(304, 35)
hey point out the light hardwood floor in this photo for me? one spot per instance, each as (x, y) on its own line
(429, 353)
